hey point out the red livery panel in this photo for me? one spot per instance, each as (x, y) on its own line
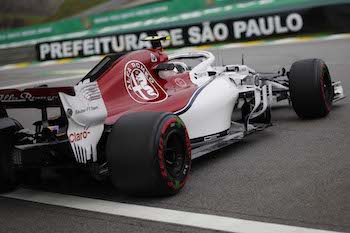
(132, 85)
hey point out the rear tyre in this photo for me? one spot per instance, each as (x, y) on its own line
(311, 89)
(149, 154)
(30, 176)
(8, 177)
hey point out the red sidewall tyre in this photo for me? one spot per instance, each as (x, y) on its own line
(310, 87)
(149, 154)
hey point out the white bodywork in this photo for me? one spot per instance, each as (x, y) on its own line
(210, 113)
(86, 113)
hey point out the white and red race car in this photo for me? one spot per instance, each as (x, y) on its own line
(140, 118)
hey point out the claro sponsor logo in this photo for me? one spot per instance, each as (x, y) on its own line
(78, 136)
(140, 84)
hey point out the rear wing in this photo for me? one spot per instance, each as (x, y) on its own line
(82, 106)
(41, 97)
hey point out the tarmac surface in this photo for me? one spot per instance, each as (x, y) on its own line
(294, 173)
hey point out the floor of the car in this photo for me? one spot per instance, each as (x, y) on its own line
(236, 133)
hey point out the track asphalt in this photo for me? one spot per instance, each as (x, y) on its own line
(294, 173)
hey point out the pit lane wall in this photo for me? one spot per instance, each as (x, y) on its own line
(194, 25)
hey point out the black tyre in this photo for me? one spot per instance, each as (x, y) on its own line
(310, 87)
(149, 154)
(8, 176)
(30, 176)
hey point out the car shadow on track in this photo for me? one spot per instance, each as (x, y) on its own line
(285, 114)
(80, 183)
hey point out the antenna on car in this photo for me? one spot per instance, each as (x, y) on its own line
(156, 40)
(222, 57)
(242, 59)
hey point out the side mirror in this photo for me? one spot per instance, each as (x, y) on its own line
(164, 66)
(211, 73)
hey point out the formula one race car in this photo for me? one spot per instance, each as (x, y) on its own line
(140, 118)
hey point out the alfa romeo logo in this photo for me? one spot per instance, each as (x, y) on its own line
(140, 84)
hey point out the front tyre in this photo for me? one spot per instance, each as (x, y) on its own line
(149, 154)
(311, 89)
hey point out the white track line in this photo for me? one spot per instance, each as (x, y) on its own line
(8, 67)
(42, 82)
(205, 221)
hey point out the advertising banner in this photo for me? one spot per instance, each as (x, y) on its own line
(307, 21)
(172, 13)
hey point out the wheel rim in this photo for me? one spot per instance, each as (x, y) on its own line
(174, 154)
(327, 88)
(327, 85)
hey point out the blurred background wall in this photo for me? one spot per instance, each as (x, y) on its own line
(19, 13)
(31, 7)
